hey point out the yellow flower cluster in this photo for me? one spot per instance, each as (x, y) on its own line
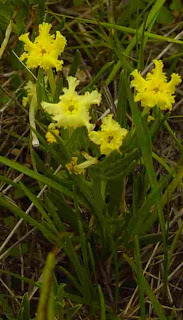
(73, 109)
(110, 137)
(50, 137)
(155, 90)
(45, 49)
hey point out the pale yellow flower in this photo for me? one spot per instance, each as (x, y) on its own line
(50, 137)
(73, 109)
(45, 49)
(110, 137)
(75, 168)
(155, 90)
(72, 167)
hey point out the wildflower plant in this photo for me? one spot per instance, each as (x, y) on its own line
(100, 192)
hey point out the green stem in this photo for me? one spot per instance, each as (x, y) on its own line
(35, 141)
(51, 80)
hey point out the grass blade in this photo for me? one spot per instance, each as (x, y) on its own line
(36, 176)
(140, 279)
(148, 290)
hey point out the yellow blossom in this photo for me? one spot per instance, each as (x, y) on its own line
(150, 118)
(50, 137)
(72, 167)
(45, 49)
(155, 90)
(73, 109)
(75, 168)
(110, 137)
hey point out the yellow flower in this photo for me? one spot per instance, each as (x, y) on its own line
(72, 110)
(75, 168)
(150, 118)
(50, 137)
(45, 49)
(72, 167)
(110, 137)
(155, 90)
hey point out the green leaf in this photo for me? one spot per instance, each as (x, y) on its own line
(40, 87)
(83, 247)
(16, 252)
(65, 213)
(58, 90)
(53, 212)
(74, 298)
(122, 101)
(72, 311)
(140, 279)
(72, 278)
(20, 213)
(78, 140)
(176, 5)
(6, 309)
(156, 304)
(115, 191)
(26, 307)
(79, 269)
(9, 222)
(164, 16)
(102, 303)
(46, 288)
(74, 64)
(78, 3)
(17, 276)
(138, 223)
(36, 176)
(37, 204)
(10, 182)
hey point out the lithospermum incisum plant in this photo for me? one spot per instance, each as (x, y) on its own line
(155, 90)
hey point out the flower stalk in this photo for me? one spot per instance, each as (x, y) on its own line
(35, 141)
(51, 80)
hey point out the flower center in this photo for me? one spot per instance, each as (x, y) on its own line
(71, 108)
(110, 138)
(156, 89)
(43, 51)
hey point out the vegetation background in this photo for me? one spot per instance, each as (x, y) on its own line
(115, 245)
